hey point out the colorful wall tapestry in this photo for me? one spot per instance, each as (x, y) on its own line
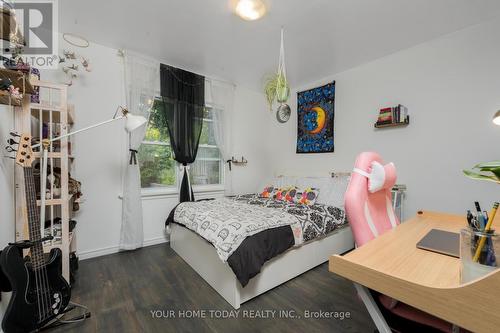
(316, 113)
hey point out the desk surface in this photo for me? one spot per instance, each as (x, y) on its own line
(395, 252)
(392, 265)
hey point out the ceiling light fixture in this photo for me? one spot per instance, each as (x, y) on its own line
(250, 10)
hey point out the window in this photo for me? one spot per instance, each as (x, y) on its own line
(208, 167)
(159, 169)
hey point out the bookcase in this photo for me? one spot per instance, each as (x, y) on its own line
(49, 118)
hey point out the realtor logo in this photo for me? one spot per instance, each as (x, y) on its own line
(37, 22)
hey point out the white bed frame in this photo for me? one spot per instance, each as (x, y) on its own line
(203, 258)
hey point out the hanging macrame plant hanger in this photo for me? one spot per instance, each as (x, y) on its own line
(282, 87)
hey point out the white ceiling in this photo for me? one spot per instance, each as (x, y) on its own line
(322, 37)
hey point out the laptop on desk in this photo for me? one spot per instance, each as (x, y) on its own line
(440, 241)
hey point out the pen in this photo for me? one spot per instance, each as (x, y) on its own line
(474, 221)
(482, 223)
(478, 208)
(490, 257)
(486, 229)
(469, 218)
(479, 215)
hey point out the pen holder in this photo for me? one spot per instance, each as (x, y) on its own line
(478, 251)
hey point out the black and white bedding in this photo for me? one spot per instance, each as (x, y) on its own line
(249, 230)
(314, 221)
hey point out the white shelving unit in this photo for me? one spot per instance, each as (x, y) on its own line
(50, 118)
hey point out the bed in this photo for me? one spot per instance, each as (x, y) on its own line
(281, 241)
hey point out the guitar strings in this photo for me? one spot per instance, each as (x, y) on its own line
(42, 264)
(44, 267)
(45, 280)
(37, 254)
(27, 185)
(33, 237)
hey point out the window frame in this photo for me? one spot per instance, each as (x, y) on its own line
(173, 190)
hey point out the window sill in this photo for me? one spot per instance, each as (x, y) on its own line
(159, 193)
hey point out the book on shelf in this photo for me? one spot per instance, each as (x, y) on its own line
(403, 111)
(393, 115)
(385, 115)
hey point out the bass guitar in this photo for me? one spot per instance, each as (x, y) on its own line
(39, 291)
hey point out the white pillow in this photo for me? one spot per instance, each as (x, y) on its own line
(340, 184)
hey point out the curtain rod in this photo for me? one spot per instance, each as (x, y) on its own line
(121, 53)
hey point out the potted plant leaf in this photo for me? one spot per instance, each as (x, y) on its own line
(277, 89)
(489, 171)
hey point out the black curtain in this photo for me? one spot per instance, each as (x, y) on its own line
(183, 95)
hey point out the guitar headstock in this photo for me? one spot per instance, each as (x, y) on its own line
(24, 156)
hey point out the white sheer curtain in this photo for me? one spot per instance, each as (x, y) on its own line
(220, 96)
(142, 83)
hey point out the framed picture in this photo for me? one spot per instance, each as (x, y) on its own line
(315, 120)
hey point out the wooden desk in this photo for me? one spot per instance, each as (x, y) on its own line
(392, 265)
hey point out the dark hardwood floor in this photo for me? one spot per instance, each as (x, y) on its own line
(123, 289)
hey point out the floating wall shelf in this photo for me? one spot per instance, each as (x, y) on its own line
(403, 124)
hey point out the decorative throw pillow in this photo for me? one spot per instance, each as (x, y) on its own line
(280, 193)
(290, 194)
(307, 196)
(268, 192)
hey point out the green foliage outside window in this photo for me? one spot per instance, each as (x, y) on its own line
(158, 167)
(156, 161)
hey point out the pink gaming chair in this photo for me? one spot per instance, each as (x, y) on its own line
(370, 214)
(368, 205)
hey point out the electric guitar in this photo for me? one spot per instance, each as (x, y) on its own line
(39, 292)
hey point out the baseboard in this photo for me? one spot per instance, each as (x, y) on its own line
(156, 241)
(83, 255)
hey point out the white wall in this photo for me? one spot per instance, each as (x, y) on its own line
(250, 139)
(100, 152)
(452, 88)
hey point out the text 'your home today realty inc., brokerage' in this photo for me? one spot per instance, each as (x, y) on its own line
(249, 314)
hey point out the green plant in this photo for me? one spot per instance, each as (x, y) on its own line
(489, 171)
(276, 88)
(270, 90)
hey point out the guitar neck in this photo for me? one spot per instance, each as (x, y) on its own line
(37, 257)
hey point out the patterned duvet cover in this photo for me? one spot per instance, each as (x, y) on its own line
(227, 222)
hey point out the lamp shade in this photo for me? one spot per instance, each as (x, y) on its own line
(496, 118)
(133, 122)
